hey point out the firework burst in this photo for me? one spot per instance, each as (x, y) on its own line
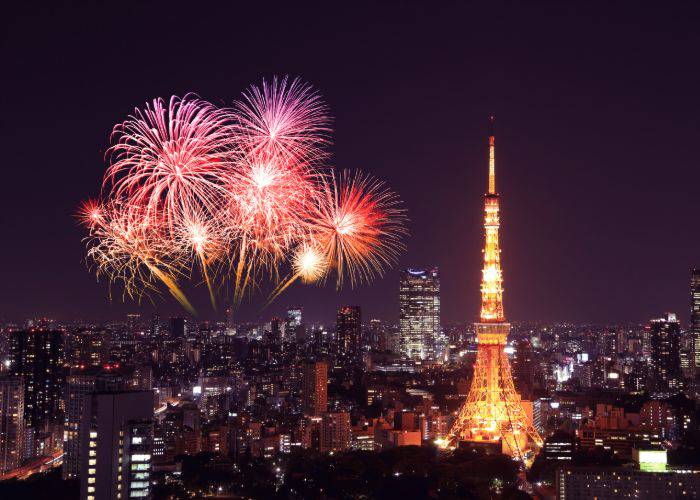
(171, 159)
(235, 194)
(283, 119)
(358, 225)
(124, 246)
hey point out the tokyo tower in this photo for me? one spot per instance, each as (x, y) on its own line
(493, 413)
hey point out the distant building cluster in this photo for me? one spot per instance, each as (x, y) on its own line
(117, 405)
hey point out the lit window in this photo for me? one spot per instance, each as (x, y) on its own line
(91, 480)
(92, 461)
(91, 472)
(92, 453)
(136, 440)
(91, 489)
(140, 457)
(93, 434)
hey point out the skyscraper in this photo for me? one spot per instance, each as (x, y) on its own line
(315, 388)
(88, 348)
(294, 330)
(695, 314)
(37, 356)
(664, 342)
(80, 384)
(493, 414)
(11, 422)
(524, 367)
(419, 315)
(178, 328)
(348, 329)
(335, 432)
(117, 445)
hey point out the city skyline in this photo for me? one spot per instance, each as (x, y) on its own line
(394, 249)
(593, 140)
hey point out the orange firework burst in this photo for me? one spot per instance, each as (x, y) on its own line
(123, 246)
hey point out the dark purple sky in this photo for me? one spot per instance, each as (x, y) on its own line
(597, 138)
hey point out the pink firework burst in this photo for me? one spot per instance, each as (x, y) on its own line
(283, 118)
(269, 199)
(171, 158)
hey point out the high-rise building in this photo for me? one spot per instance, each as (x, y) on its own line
(294, 330)
(80, 384)
(664, 343)
(335, 432)
(11, 422)
(117, 445)
(419, 312)
(315, 388)
(133, 321)
(348, 329)
(651, 479)
(276, 330)
(524, 367)
(378, 338)
(155, 326)
(88, 348)
(493, 414)
(37, 356)
(608, 342)
(695, 314)
(178, 328)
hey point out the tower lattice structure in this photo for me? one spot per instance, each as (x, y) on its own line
(493, 411)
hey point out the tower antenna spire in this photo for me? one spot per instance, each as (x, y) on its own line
(492, 155)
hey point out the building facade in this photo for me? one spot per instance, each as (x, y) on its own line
(315, 388)
(117, 445)
(37, 356)
(11, 422)
(419, 314)
(348, 329)
(664, 353)
(695, 315)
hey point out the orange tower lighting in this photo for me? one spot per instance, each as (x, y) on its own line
(493, 412)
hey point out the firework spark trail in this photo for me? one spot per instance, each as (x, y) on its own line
(203, 238)
(355, 230)
(281, 128)
(123, 247)
(308, 264)
(90, 213)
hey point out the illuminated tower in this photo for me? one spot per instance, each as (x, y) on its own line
(493, 412)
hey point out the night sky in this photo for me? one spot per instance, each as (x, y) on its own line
(597, 110)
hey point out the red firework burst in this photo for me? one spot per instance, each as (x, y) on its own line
(358, 224)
